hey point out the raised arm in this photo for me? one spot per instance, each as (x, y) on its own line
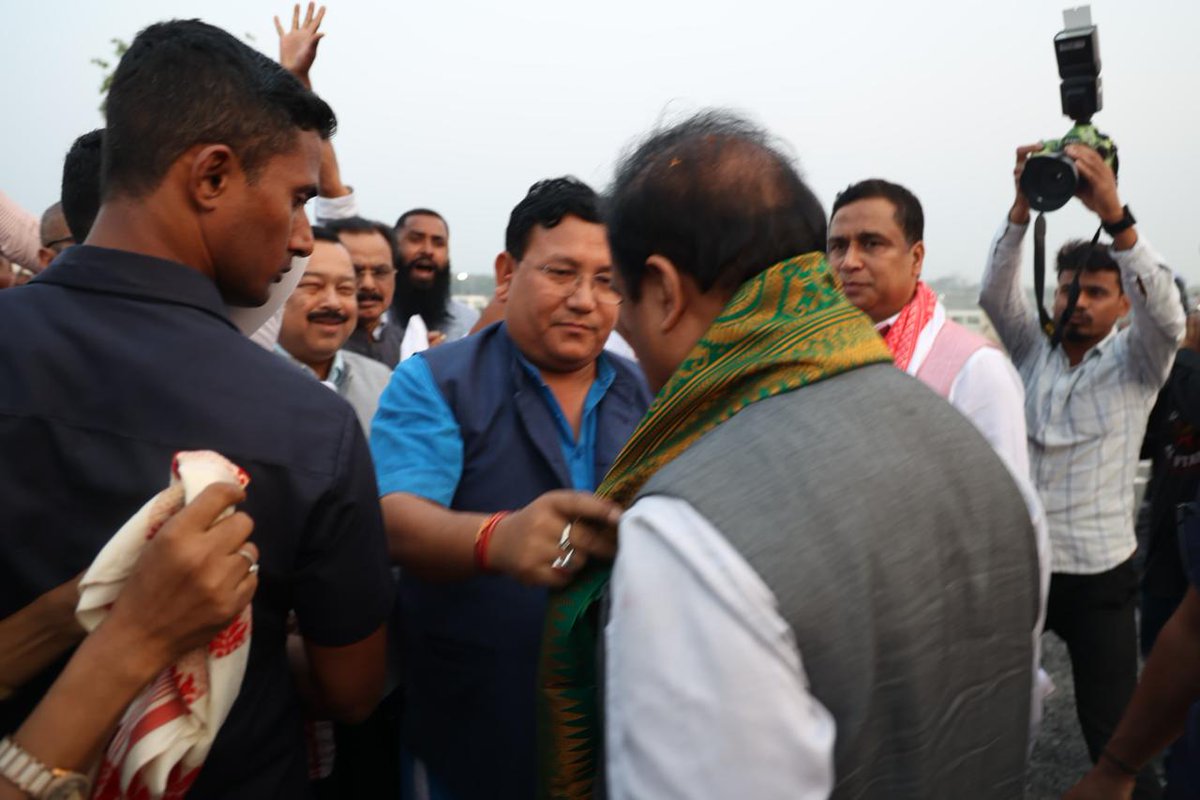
(1157, 320)
(19, 237)
(297, 53)
(1000, 294)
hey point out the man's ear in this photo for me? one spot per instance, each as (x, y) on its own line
(918, 255)
(45, 256)
(211, 171)
(506, 265)
(663, 286)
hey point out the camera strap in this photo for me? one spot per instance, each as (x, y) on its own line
(1055, 332)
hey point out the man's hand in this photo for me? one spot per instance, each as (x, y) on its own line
(190, 580)
(525, 544)
(298, 46)
(1102, 783)
(1097, 183)
(1019, 214)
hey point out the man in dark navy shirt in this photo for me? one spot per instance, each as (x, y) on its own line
(124, 355)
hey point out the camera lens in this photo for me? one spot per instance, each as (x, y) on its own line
(1049, 181)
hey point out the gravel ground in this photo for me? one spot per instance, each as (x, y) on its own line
(1059, 756)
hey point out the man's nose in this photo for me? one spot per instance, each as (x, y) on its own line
(366, 279)
(301, 242)
(584, 296)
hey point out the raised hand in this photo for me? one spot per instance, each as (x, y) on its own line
(1097, 184)
(298, 46)
(1019, 215)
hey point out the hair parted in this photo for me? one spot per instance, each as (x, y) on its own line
(1078, 254)
(184, 83)
(546, 204)
(716, 196)
(362, 225)
(909, 214)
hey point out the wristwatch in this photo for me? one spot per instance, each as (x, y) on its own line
(1124, 223)
(36, 779)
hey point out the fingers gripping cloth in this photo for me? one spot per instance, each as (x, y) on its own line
(167, 731)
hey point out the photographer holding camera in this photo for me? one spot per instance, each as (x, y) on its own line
(1086, 406)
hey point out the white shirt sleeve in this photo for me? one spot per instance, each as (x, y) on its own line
(705, 692)
(988, 391)
(1157, 322)
(332, 208)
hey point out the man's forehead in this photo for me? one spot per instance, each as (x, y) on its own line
(1093, 277)
(329, 260)
(571, 241)
(871, 213)
(427, 224)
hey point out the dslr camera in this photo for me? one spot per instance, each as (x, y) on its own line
(1050, 178)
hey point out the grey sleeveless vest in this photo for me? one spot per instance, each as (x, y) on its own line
(902, 555)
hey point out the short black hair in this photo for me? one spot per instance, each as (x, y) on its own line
(81, 183)
(183, 83)
(420, 212)
(1077, 254)
(324, 234)
(717, 197)
(909, 215)
(546, 204)
(362, 225)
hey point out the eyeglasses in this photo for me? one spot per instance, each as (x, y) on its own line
(379, 273)
(568, 280)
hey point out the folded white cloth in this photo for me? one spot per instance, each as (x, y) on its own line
(167, 731)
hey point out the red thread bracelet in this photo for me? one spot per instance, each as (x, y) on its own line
(483, 538)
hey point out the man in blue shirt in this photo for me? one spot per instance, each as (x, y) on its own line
(527, 415)
(127, 356)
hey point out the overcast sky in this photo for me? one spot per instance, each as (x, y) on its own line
(460, 106)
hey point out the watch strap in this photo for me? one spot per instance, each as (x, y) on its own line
(29, 774)
(1124, 223)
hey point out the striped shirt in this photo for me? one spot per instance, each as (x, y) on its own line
(1085, 423)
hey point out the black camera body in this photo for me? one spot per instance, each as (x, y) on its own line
(1050, 178)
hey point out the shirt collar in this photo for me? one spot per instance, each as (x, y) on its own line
(889, 322)
(377, 334)
(605, 374)
(338, 371)
(120, 272)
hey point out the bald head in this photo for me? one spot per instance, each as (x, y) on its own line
(55, 235)
(714, 195)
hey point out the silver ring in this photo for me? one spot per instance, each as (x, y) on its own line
(244, 553)
(564, 544)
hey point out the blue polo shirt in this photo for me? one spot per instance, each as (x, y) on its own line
(418, 448)
(116, 361)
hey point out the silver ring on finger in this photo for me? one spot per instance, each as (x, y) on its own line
(246, 554)
(564, 560)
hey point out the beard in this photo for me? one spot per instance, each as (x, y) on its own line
(431, 302)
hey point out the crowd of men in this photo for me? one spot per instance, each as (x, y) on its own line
(806, 545)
